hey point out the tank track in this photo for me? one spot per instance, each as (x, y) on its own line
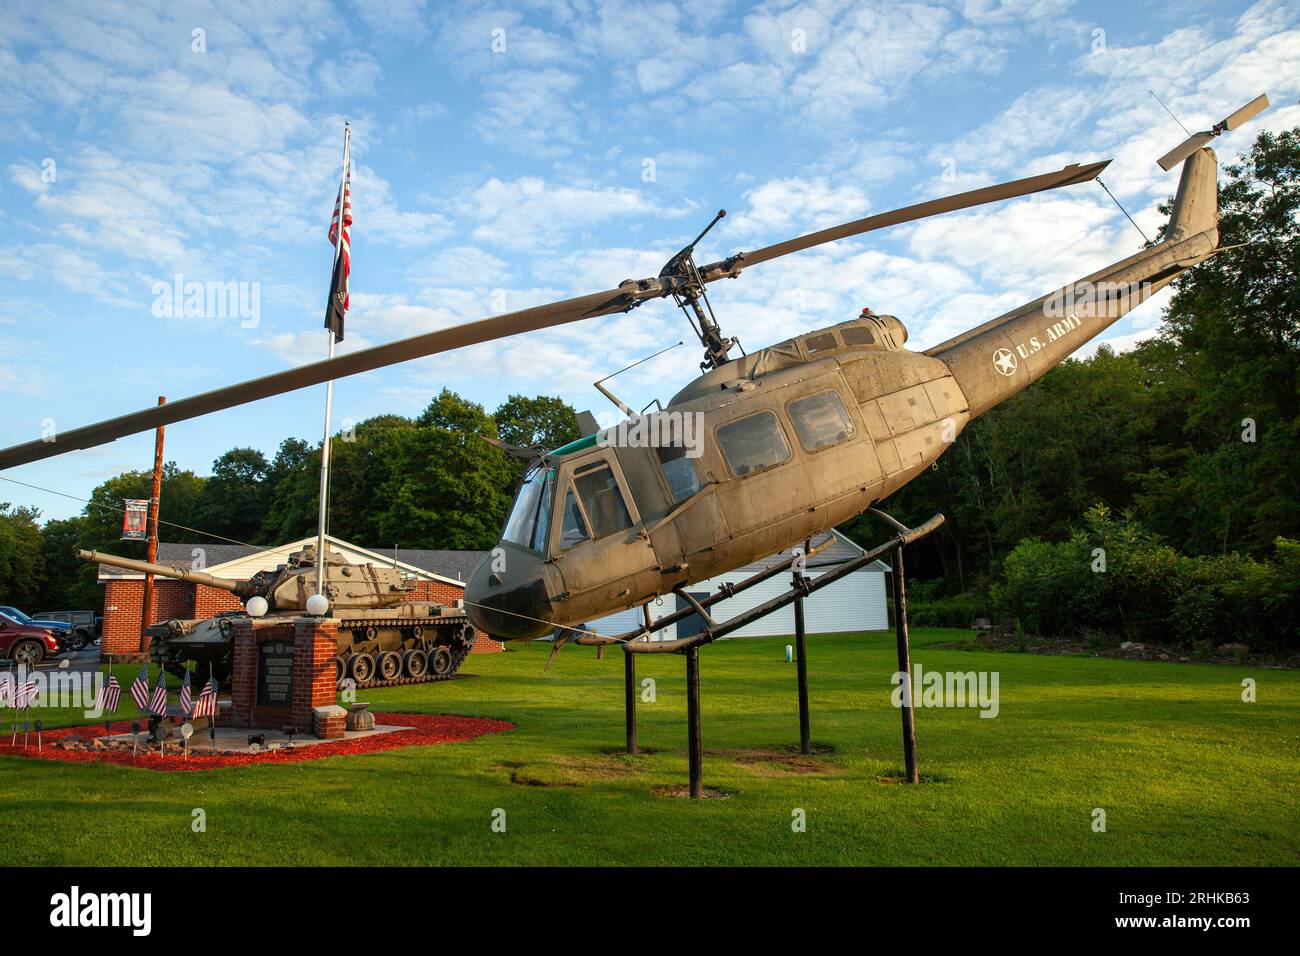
(459, 649)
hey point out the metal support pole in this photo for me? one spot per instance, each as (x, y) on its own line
(801, 661)
(151, 551)
(629, 699)
(694, 746)
(904, 667)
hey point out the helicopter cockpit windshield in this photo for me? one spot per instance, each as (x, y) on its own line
(530, 518)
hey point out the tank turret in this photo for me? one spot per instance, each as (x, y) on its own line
(287, 588)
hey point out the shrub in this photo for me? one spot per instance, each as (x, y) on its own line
(1148, 591)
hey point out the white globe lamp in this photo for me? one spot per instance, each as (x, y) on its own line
(318, 605)
(256, 606)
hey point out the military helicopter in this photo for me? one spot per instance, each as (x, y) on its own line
(762, 451)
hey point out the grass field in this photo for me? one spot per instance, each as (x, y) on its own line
(1186, 772)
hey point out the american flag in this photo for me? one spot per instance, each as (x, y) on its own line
(6, 689)
(25, 692)
(158, 703)
(185, 693)
(140, 688)
(206, 706)
(341, 237)
(109, 695)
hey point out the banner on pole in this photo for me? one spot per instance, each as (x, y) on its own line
(135, 520)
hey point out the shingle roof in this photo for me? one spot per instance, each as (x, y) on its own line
(452, 564)
(448, 564)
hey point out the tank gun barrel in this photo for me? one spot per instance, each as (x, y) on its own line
(240, 588)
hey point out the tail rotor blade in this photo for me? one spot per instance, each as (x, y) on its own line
(1249, 111)
(1194, 142)
(1184, 149)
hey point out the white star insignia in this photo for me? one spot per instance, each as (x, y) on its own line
(1004, 361)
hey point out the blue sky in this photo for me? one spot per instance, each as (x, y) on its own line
(507, 155)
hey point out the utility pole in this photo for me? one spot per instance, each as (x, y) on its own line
(147, 607)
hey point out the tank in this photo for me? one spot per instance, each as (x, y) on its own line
(384, 637)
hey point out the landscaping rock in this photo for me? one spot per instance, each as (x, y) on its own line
(1235, 649)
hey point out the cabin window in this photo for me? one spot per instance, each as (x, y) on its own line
(820, 420)
(753, 444)
(530, 517)
(857, 335)
(820, 343)
(674, 458)
(573, 529)
(602, 500)
(680, 472)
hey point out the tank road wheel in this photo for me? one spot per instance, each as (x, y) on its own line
(416, 663)
(389, 665)
(361, 667)
(440, 661)
(340, 669)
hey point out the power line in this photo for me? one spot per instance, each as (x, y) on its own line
(99, 504)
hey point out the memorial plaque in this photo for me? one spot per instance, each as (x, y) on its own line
(275, 674)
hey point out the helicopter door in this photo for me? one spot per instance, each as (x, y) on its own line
(599, 549)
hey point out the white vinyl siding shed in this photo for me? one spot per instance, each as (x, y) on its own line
(858, 602)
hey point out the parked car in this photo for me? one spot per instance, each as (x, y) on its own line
(27, 643)
(86, 625)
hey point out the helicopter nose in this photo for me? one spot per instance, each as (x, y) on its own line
(507, 597)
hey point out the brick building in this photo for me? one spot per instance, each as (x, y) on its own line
(438, 576)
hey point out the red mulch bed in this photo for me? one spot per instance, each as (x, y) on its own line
(426, 731)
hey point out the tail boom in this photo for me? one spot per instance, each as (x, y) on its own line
(999, 358)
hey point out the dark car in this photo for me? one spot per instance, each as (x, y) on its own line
(27, 643)
(85, 625)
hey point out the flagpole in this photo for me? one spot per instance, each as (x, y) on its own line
(329, 386)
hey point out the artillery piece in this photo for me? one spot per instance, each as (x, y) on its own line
(384, 637)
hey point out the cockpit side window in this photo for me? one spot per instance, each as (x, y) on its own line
(573, 527)
(602, 500)
(530, 517)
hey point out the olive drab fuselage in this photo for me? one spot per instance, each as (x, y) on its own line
(901, 410)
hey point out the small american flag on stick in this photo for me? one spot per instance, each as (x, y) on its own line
(185, 694)
(206, 705)
(140, 688)
(158, 703)
(108, 696)
(25, 694)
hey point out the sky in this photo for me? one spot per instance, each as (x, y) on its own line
(509, 155)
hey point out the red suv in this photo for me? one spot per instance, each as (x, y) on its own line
(25, 643)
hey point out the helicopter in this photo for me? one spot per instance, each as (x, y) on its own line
(760, 452)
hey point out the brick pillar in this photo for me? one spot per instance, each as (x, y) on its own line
(315, 644)
(243, 679)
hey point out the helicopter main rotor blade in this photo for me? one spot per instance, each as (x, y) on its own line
(628, 295)
(364, 360)
(1067, 176)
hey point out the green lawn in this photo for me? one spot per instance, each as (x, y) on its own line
(1186, 772)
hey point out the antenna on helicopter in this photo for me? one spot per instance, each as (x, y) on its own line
(681, 275)
(614, 398)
